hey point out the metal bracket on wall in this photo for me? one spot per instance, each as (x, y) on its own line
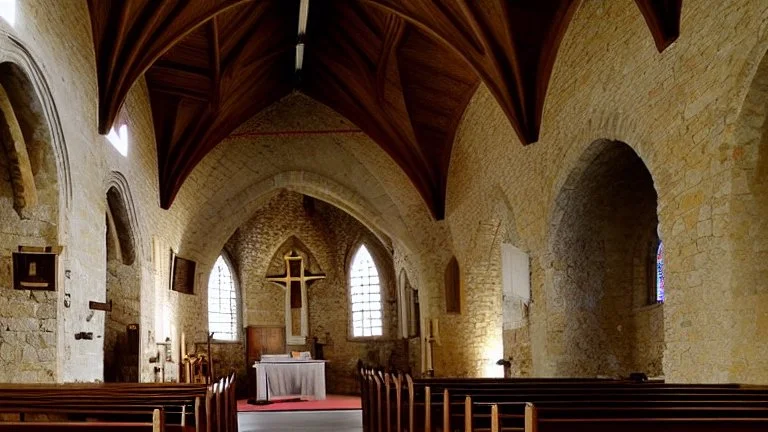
(106, 307)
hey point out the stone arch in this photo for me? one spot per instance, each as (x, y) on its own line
(294, 243)
(202, 241)
(120, 238)
(34, 176)
(38, 117)
(123, 283)
(604, 219)
(15, 149)
(121, 204)
(747, 232)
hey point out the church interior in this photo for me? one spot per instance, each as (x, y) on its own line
(511, 192)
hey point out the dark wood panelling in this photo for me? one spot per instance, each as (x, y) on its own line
(402, 70)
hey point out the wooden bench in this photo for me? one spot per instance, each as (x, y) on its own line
(182, 407)
(155, 425)
(395, 402)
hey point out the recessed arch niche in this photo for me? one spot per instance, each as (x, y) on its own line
(600, 322)
(123, 285)
(33, 190)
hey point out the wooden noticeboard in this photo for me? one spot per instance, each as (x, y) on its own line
(261, 340)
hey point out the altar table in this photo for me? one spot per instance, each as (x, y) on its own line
(292, 377)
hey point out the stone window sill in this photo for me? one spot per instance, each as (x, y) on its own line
(647, 307)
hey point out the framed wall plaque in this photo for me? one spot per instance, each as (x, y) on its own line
(34, 270)
(182, 274)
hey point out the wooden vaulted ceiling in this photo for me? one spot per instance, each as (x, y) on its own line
(402, 70)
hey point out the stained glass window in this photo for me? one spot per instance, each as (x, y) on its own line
(365, 294)
(660, 273)
(222, 302)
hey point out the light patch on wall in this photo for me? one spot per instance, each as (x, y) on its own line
(119, 138)
(494, 350)
(516, 286)
(8, 11)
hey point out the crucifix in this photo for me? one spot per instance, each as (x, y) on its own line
(295, 281)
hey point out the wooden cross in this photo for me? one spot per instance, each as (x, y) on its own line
(295, 281)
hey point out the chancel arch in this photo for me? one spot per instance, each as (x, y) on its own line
(214, 226)
(292, 226)
(600, 319)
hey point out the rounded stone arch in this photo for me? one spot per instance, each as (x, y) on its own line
(35, 214)
(603, 224)
(202, 241)
(39, 120)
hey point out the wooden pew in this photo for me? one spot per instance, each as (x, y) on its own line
(453, 411)
(421, 405)
(155, 425)
(184, 407)
(600, 419)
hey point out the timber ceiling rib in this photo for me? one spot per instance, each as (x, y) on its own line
(402, 70)
(663, 19)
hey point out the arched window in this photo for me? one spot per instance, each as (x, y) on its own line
(660, 273)
(222, 302)
(365, 294)
(656, 272)
(453, 287)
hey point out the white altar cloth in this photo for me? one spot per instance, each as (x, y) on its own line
(290, 377)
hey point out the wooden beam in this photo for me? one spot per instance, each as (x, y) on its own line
(663, 20)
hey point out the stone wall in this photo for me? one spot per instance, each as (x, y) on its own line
(326, 238)
(28, 320)
(604, 226)
(694, 114)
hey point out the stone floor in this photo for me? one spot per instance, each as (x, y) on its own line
(305, 421)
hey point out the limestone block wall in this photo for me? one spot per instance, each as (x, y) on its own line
(123, 288)
(678, 115)
(606, 220)
(327, 238)
(693, 114)
(28, 320)
(747, 223)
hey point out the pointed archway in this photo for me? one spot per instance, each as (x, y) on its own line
(123, 282)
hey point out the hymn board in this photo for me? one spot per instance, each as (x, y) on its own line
(295, 281)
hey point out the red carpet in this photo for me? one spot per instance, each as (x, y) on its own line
(331, 403)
